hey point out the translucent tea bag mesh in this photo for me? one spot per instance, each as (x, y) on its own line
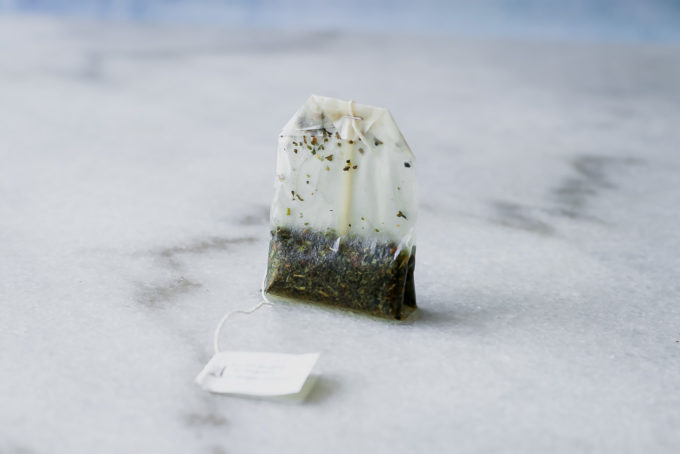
(344, 210)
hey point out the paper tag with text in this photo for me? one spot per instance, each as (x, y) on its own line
(259, 374)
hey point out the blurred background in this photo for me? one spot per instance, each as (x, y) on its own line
(630, 20)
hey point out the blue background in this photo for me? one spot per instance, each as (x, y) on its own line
(603, 20)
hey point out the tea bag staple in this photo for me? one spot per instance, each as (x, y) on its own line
(344, 210)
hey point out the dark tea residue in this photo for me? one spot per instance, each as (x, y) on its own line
(351, 272)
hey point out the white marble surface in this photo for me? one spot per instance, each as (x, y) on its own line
(136, 169)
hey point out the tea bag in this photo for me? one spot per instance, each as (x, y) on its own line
(344, 210)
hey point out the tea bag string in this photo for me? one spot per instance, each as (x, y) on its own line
(265, 302)
(346, 184)
(354, 118)
(228, 315)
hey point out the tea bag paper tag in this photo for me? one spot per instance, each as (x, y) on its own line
(258, 374)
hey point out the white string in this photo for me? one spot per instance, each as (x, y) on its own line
(216, 336)
(354, 119)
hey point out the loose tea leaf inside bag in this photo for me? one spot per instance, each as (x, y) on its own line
(344, 210)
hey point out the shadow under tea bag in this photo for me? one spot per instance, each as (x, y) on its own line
(344, 210)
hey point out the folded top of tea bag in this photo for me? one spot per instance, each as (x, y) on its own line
(345, 167)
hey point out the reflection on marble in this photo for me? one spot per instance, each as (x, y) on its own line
(136, 169)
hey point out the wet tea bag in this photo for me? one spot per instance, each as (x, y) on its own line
(344, 210)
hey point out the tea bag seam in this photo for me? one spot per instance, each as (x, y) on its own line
(369, 122)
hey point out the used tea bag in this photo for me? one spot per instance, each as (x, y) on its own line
(344, 210)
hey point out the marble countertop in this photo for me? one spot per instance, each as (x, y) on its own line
(136, 170)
